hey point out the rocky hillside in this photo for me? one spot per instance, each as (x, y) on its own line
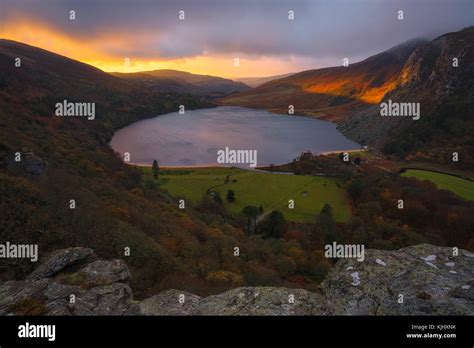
(426, 279)
(445, 93)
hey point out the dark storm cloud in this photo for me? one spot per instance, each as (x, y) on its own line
(321, 29)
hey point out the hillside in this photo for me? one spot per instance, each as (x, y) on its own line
(183, 82)
(64, 159)
(40, 67)
(45, 78)
(257, 81)
(446, 97)
(330, 93)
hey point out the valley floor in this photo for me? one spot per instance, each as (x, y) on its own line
(259, 188)
(462, 187)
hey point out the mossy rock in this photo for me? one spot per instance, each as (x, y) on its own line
(29, 306)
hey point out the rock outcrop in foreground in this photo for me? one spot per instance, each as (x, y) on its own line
(418, 280)
(71, 282)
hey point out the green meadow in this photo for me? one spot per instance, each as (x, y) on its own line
(462, 187)
(269, 190)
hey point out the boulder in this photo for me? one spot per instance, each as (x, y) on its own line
(59, 260)
(113, 299)
(105, 272)
(418, 280)
(168, 303)
(16, 292)
(263, 301)
(98, 287)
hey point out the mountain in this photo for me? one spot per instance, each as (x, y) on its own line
(183, 82)
(415, 72)
(40, 67)
(445, 94)
(257, 81)
(44, 78)
(330, 93)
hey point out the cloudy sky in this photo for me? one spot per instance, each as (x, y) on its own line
(214, 32)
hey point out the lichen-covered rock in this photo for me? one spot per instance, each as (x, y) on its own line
(263, 301)
(418, 280)
(113, 299)
(105, 272)
(14, 292)
(59, 260)
(93, 288)
(170, 302)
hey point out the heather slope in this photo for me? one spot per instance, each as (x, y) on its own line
(330, 93)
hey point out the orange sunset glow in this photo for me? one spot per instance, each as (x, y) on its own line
(367, 94)
(94, 51)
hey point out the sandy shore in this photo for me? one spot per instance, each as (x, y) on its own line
(178, 167)
(339, 151)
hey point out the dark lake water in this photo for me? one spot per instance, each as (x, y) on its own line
(194, 138)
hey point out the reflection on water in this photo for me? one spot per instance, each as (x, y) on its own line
(194, 138)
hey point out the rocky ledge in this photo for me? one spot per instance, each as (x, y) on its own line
(71, 282)
(418, 280)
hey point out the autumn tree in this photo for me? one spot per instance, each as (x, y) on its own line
(155, 169)
(230, 196)
(251, 212)
(273, 226)
(356, 187)
(212, 203)
(326, 226)
(217, 197)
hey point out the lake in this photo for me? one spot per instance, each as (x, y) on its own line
(194, 139)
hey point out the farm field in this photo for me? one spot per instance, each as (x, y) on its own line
(461, 187)
(269, 190)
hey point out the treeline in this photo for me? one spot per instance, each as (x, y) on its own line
(394, 211)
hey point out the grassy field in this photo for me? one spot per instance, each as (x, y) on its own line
(271, 191)
(461, 187)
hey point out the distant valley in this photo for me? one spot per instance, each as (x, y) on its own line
(183, 82)
(257, 81)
